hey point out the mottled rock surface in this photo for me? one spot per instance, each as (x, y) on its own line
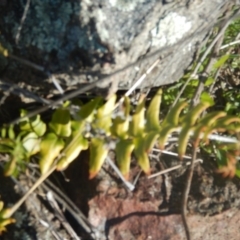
(81, 41)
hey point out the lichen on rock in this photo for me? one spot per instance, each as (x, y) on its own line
(45, 23)
(125, 5)
(170, 29)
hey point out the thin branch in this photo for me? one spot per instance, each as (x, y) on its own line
(129, 185)
(22, 21)
(14, 89)
(26, 62)
(56, 83)
(15, 207)
(170, 153)
(138, 82)
(173, 168)
(186, 192)
(65, 201)
(59, 214)
(230, 44)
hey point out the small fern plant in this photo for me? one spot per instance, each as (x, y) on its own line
(94, 126)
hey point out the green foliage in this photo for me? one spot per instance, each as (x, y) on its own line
(221, 61)
(14, 146)
(74, 146)
(50, 148)
(124, 150)
(60, 123)
(232, 98)
(153, 112)
(3, 51)
(232, 31)
(137, 124)
(120, 124)
(34, 124)
(103, 120)
(60, 141)
(4, 218)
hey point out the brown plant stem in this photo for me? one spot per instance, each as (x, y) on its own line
(186, 192)
(15, 207)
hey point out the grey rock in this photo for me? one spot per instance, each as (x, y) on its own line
(81, 41)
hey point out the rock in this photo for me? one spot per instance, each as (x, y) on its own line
(82, 41)
(132, 220)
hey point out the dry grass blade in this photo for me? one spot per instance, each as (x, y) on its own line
(22, 21)
(16, 206)
(59, 214)
(173, 168)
